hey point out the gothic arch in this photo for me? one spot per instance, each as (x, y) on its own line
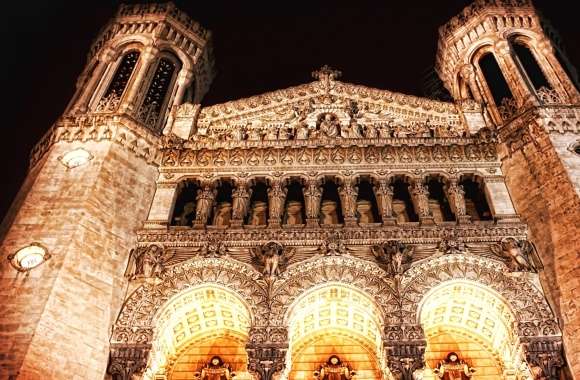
(137, 319)
(362, 275)
(526, 301)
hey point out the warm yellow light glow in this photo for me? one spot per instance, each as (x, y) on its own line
(464, 316)
(75, 158)
(334, 319)
(29, 257)
(199, 314)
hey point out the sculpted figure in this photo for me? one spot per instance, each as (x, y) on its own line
(329, 125)
(284, 133)
(215, 370)
(394, 255)
(334, 369)
(354, 130)
(271, 133)
(272, 257)
(371, 131)
(519, 254)
(385, 131)
(205, 199)
(237, 133)
(186, 215)
(312, 196)
(452, 368)
(420, 196)
(328, 214)
(258, 215)
(145, 262)
(456, 196)
(294, 213)
(302, 131)
(223, 214)
(241, 201)
(364, 210)
(348, 194)
(276, 198)
(384, 194)
(254, 134)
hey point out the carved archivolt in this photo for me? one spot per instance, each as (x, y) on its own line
(136, 322)
(526, 301)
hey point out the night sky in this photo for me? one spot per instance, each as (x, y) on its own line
(382, 44)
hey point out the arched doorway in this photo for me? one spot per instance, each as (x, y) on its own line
(469, 319)
(196, 325)
(334, 319)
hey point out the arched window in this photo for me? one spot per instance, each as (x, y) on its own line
(495, 79)
(122, 75)
(152, 110)
(184, 210)
(330, 206)
(529, 65)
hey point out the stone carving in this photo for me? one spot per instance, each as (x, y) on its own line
(453, 368)
(328, 212)
(272, 256)
(213, 247)
(145, 262)
(294, 213)
(333, 246)
(364, 210)
(348, 194)
(205, 199)
(334, 369)
(456, 196)
(312, 195)
(276, 197)
(520, 254)
(258, 215)
(241, 201)
(544, 357)
(394, 255)
(222, 214)
(216, 369)
(328, 126)
(450, 246)
(405, 349)
(420, 197)
(127, 360)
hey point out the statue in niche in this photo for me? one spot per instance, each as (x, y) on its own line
(521, 254)
(394, 255)
(328, 213)
(258, 214)
(187, 215)
(272, 256)
(452, 368)
(241, 201)
(276, 196)
(215, 370)
(371, 131)
(146, 262)
(223, 214)
(364, 209)
(334, 369)
(294, 213)
(205, 199)
(329, 125)
(354, 130)
(302, 131)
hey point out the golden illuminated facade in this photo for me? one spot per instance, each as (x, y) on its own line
(325, 231)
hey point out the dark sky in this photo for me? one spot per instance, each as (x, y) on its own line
(384, 44)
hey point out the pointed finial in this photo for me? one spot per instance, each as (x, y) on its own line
(326, 73)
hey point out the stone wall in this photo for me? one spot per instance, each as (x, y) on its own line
(545, 197)
(55, 321)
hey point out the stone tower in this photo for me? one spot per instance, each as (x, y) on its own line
(503, 54)
(89, 187)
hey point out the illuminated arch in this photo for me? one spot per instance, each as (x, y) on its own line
(190, 327)
(334, 318)
(136, 322)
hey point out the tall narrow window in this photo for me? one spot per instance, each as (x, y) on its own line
(122, 75)
(495, 80)
(151, 109)
(529, 65)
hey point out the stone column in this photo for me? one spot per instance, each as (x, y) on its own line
(276, 199)
(467, 73)
(312, 196)
(240, 202)
(499, 200)
(384, 195)
(127, 361)
(136, 85)
(348, 194)
(420, 198)
(87, 93)
(266, 348)
(456, 196)
(405, 351)
(183, 81)
(162, 206)
(205, 200)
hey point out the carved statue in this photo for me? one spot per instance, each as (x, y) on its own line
(215, 370)
(519, 253)
(241, 201)
(272, 256)
(294, 213)
(452, 368)
(223, 214)
(254, 134)
(187, 215)
(276, 198)
(312, 196)
(329, 126)
(237, 133)
(452, 246)
(354, 129)
(145, 262)
(420, 197)
(334, 369)
(456, 196)
(371, 131)
(348, 194)
(328, 213)
(205, 199)
(394, 255)
(364, 210)
(271, 133)
(302, 131)
(384, 194)
(258, 214)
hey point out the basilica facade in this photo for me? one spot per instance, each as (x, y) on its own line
(325, 231)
